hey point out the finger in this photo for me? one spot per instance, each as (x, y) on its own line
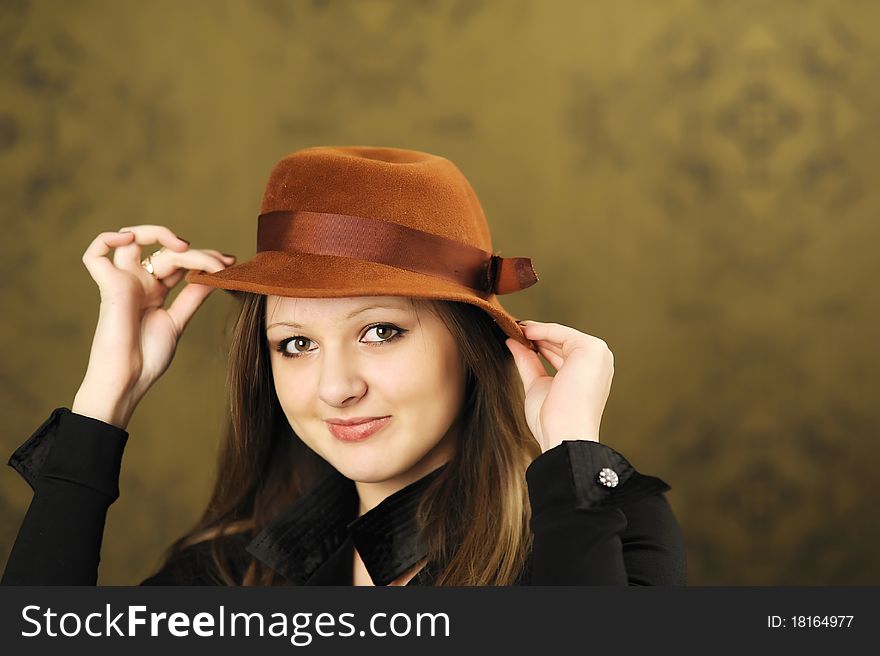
(550, 346)
(527, 363)
(553, 358)
(94, 258)
(152, 234)
(167, 263)
(187, 302)
(129, 257)
(558, 334)
(199, 263)
(170, 281)
(220, 256)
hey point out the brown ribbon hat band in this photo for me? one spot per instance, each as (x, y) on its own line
(383, 242)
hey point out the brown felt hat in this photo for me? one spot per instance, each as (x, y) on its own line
(339, 221)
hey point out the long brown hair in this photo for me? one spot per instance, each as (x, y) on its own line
(264, 466)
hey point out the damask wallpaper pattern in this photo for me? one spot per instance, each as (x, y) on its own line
(692, 179)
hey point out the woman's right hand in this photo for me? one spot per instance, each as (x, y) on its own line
(136, 336)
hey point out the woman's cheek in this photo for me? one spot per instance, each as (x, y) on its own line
(284, 390)
(400, 375)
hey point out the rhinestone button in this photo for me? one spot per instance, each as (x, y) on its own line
(608, 477)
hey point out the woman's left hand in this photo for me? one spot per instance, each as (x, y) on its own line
(569, 405)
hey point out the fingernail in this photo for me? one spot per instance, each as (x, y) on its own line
(183, 240)
(229, 255)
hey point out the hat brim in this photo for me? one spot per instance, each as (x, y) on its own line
(304, 275)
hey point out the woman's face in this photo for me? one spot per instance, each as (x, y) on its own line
(337, 359)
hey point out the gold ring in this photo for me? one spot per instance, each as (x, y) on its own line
(147, 263)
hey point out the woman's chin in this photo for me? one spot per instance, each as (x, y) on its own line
(364, 473)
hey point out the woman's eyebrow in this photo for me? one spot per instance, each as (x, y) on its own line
(350, 315)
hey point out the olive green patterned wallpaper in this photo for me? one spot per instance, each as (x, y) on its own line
(695, 181)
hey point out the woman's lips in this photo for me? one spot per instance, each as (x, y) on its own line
(357, 432)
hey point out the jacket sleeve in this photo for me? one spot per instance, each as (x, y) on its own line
(588, 533)
(72, 462)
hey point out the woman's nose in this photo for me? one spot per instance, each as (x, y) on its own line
(340, 381)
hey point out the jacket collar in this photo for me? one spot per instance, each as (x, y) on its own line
(320, 523)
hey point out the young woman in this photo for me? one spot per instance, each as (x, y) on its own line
(389, 422)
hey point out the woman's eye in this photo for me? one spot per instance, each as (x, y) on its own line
(384, 332)
(293, 347)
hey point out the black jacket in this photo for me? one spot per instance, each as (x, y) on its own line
(585, 533)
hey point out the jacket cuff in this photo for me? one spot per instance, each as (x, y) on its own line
(568, 475)
(74, 448)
